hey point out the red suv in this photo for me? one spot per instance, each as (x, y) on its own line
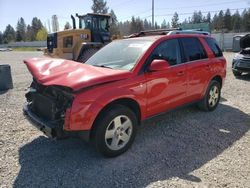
(124, 83)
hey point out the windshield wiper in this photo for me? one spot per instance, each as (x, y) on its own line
(104, 66)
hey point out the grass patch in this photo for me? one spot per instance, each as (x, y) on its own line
(25, 49)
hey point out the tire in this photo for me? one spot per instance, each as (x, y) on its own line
(86, 54)
(115, 131)
(236, 73)
(212, 97)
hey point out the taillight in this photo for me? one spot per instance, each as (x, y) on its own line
(67, 119)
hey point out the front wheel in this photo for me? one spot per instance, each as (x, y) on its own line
(115, 131)
(212, 97)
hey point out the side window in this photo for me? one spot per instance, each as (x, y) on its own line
(168, 50)
(193, 49)
(214, 47)
(68, 42)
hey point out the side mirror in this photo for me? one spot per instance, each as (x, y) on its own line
(158, 65)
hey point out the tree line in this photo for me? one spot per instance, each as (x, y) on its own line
(31, 32)
(223, 21)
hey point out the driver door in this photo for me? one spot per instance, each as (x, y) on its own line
(166, 89)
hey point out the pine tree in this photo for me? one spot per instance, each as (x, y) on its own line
(1, 37)
(36, 25)
(9, 34)
(175, 20)
(100, 6)
(220, 22)
(164, 24)
(208, 17)
(236, 21)
(114, 29)
(228, 20)
(20, 30)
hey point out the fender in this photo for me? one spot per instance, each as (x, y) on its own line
(87, 106)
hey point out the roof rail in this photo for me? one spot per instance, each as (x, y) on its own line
(189, 31)
(170, 31)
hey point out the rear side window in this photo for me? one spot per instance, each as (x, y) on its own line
(193, 49)
(168, 50)
(214, 47)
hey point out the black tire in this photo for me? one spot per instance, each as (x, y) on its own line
(86, 54)
(236, 73)
(205, 104)
(105, 123)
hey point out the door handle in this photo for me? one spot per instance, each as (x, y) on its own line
(181, 73)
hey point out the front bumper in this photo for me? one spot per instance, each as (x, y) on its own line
(241, 66)
(52, 129)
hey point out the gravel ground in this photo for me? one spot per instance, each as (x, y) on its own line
(184, 148)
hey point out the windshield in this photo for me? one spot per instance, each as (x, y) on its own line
(122, 54)
(95, 23)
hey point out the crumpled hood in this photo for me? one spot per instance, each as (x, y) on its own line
(245, 41)
(48, 71)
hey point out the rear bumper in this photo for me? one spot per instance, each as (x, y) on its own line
(52, 129)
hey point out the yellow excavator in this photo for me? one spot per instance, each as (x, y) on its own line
(80, 43)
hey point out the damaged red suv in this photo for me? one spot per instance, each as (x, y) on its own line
(124, 83)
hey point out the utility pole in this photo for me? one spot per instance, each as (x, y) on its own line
(153, 12)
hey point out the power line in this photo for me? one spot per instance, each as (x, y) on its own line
(122, 3)
(211, 11)
(203, 5)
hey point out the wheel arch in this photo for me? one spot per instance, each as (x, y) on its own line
(218, 78)
(130, 103)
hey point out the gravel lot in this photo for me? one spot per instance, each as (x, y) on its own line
(184, 148)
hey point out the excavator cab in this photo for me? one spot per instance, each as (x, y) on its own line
(80, 43)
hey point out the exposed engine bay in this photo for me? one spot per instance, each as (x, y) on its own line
(49, 103)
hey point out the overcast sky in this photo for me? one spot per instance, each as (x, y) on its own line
(12, 10)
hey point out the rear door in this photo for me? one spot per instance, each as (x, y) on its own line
(166, 89)
(198, 67)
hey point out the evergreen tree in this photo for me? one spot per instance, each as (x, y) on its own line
(9, 34)
(220, 21)
(136, 25)
(100, 6)
(208, 17)
(175, 20)
(164, 24)
(146, 24)
(20, 30)
(1, 37)
(228, 20)
(114, 29)
(236, 21)
(29, 33)
(36, 25)
(245, 23)
(197, 17)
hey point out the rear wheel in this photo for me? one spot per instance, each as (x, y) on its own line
(86, 54)
(115, 131)
(212, 97)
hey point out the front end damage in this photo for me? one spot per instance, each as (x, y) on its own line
(241, 61)
(47, 107)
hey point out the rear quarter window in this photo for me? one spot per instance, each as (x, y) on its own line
(214, 47)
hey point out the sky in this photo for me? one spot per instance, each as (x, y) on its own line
(12, 10)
